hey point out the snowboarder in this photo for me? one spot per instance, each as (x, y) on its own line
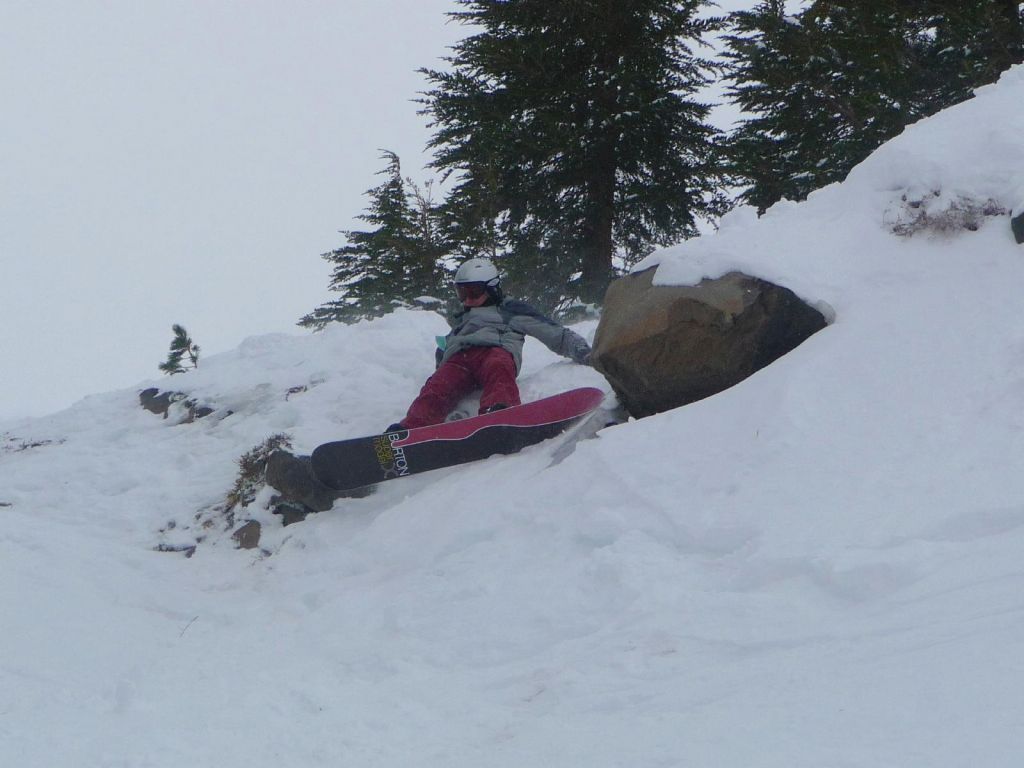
(484, 348)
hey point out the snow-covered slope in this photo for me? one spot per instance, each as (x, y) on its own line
(818, 567)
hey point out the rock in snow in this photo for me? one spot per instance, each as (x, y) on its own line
(662, 347)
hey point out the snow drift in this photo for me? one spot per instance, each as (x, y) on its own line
(819, 566)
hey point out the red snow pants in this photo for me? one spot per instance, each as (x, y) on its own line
(491, 368)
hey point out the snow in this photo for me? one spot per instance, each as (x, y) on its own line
(818, 567)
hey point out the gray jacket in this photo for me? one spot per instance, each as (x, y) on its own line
(506, 325)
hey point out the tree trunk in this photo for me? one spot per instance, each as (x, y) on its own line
(598, 241)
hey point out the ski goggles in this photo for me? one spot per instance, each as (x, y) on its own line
(470, 290)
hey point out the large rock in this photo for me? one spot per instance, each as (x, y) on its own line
(292, 476)
(661, 347)
(1017, 223)
(300, 490)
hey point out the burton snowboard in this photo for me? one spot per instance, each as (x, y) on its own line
(362, 461)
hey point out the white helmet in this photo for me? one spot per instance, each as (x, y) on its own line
(478, 271)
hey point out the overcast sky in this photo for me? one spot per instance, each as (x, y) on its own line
(186, 161)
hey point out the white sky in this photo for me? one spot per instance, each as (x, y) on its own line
(186, 162)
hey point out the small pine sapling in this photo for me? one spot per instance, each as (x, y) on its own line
(181, 345)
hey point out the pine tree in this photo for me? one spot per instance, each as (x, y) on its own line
(181, 345)
(770, 51)
(971, 42)
(396, 262)
(825, 87)
(575, 137)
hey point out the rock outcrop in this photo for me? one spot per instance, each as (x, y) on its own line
(1017, 222)
(661, 347)
(248, 535)
(292, 477)
(155, 401)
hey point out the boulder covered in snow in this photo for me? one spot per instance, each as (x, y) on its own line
(661, 347)
(160, 403)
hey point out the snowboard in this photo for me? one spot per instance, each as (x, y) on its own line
(347, 464)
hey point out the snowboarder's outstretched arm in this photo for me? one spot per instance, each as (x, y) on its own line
(559, 339)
